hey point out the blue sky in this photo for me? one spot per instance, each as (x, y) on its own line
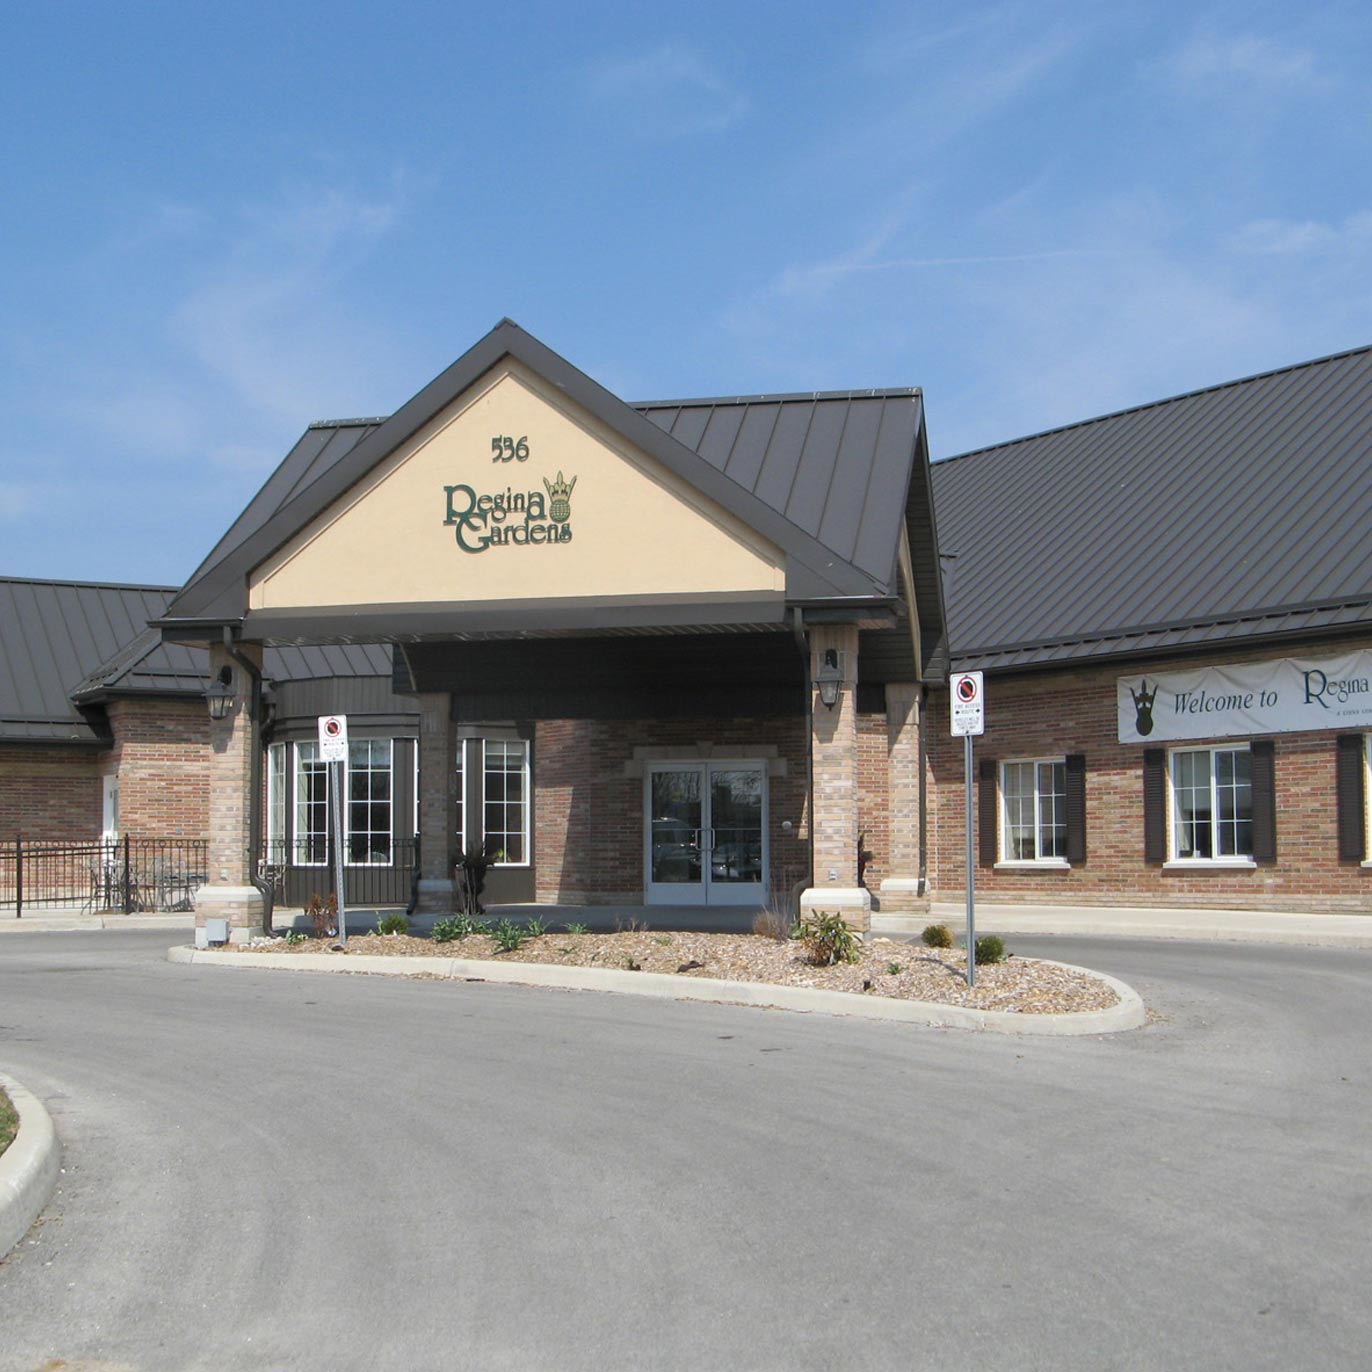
(224, 221)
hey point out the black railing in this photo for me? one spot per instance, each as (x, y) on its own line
(378, 873)
(128, 874)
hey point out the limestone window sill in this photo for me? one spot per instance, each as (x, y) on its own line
(1035, 865)
(1210, 865)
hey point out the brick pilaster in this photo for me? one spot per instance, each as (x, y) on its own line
(834, 747)
(900, 887)
(233, 741)
(437, 802)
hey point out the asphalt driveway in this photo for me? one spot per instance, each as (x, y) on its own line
(286, 1170)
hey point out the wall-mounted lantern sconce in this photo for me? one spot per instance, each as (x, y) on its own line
(220, 696)
(829, 678)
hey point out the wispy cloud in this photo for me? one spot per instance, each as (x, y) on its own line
(1208, 59)
(1291, 237)
(669, 92)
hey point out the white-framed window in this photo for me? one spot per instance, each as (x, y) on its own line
(1034, 810)
(1212, 804)
(505, 801)
(369, 802)
(311, 847)
(276, 802)
(460, 791)
(109, 808)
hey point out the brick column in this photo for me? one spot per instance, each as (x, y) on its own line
(437, 803)
(901, 890)
(833, 736)
(234, 741)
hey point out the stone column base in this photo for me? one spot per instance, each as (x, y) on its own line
(904, 896)
(436, 896)
(854, 903)
(242, 906)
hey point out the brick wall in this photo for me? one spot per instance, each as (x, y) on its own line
(161, 753)
(874, 797)
(49, 792)
(588, 810)
(1053, 714)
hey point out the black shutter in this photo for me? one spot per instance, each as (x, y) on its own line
(1076, 809)
(1264, 801)
(1154, 805)
(1348, 789)
(986, 815)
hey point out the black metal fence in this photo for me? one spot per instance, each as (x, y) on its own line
(385, 878)
(128, 874)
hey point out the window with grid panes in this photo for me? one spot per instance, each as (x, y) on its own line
(505, 807)
(1212, 803)
(1034, 810)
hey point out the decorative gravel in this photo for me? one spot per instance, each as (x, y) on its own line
(1024, 985)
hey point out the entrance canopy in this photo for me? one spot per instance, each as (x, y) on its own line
(513, 496)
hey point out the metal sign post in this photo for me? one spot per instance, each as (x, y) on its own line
(333, 749)
(968, 717)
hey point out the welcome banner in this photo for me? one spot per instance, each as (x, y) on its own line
(1280, 697)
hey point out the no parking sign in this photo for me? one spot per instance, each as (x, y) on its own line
(969, 703)
(333, 738)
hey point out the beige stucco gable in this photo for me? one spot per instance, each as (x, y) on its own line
(440, 520)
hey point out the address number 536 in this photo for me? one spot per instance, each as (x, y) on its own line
(508, 449)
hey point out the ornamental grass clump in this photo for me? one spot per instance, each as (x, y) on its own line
(393, 924)
(937, 936)
(828, 939)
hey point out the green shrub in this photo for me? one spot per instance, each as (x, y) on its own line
(990, 949)
(578, 929)
(893, 969)
(393, 924)
(449, 928)
(828, 939)
(507, 936)
(294, 936)
(535, 927)
(937, 936)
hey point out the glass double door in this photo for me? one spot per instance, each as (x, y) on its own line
(706, 833)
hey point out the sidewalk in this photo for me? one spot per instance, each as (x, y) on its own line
(1089, 921)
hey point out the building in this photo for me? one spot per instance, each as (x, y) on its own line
(693, 653)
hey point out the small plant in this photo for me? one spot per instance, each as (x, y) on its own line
(323, 914)
(990, 948)
(578, 928)
(294, 936)
(893, 969)
(632, 925)
(937, 936)
(535, 927)
(662, 939)
(771, 924)
(632, 965)
(449, 928)
(393, 924)
(828, 939)
(507, 936)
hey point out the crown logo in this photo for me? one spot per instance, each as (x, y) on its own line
(559, 498)
(1143, 707)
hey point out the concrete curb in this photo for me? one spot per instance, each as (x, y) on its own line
(90, 924)
(28, 1167)
(1129, 1013)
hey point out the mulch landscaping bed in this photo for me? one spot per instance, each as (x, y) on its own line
(887, 968)
(9, 1121)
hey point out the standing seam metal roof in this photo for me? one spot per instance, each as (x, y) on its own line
(1211, 515)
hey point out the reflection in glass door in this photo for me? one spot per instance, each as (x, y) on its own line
(706, 833)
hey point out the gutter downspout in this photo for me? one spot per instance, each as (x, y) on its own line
(263, 886)
(798, 629)
(923, 794)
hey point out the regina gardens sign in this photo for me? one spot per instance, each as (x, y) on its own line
(1284, 696)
